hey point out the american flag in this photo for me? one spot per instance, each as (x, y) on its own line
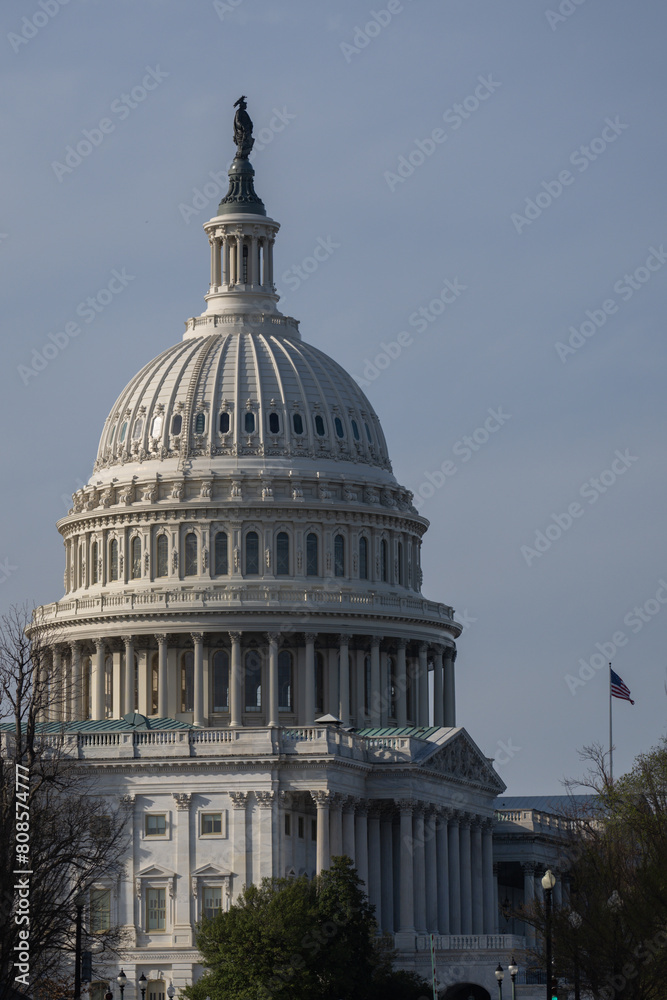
(619, 689)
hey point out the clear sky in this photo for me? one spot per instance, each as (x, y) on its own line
(488, 179)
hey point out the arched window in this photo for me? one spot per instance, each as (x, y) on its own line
(367, 683)
(135, 558)
(399, 550)
(253, 681)
(339, 556)
(108, 687)
(338, 424)
(363, 558)
(221, 681)
(282, 554)
(190, 568)
(162, 556)
(113, 559)
(156, 426)
(391, 671)
(285, 681)
(384, 559)
(82, 581)
(123, 431)
(154, 683)
(319, 425)
(176, 424)
(224, 422)
(200, 423)
(251, 554)
(220, 561)
(312, 560)
(274, 423)
(94, 576)
(137, 430)
(355, 430)
(297, 423)
(249, 423)
(187, 681)
(319, 683)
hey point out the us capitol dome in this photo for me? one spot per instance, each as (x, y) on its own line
(243, 654)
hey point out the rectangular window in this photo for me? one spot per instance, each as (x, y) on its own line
(288, 825)
(156, 825)
(211, 824)
(156, 909)
(300, 828)
(100, 910)
(313, 829)
(212, 897)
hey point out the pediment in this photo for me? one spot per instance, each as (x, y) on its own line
(211, 871)
(156, 871)
(461, 760)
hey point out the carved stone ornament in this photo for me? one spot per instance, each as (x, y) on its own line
(183, 800)
(239, 799)
(178, 491)
(205, 491)
(297, 492)
(461, 760)
(236, 493)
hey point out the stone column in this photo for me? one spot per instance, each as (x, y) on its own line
(454, 875)
(466, 874)
(476, 873)
(361, 843)
(224, 255)
(450, 687)
(488, 889)
(401, 684)
(443, 872)
(322, 800)
(348, 827)
(77, 682)
(438, 688)
(273, 714)
(387, 872)
(235, 681)
(336, 825)
(344, 680)
(198, 704)
(266, 803)
(98, 679)
(528, 898)
(360, 672)
(240, 863)
(384, 689)
(406, 874)
(270, 269)
(375, 706)
(423, 684)
(431, 865)
(419, 867)
(162, 690)
(239, 259)
(309, 685)
(182, 914)
(254, 280)
(374, 865)
(214, 269)
(128, 686)
(144, 682)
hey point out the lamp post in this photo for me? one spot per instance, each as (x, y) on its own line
(500, 975)
(79, 903)
(121, 979)
(171, 991)
(513, 968)
(142, 985)
(548, 883)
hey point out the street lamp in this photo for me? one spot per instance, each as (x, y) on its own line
(513, 968)
(121, 979)
(500, 975)
(548, 883)
(142, 985)
(171, 991)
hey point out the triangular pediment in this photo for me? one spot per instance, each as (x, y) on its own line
(156, 871)
(211, 871)
(460, 759)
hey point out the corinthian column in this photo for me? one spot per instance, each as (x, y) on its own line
(375, 697)
(309, 686)
(128, 687)
(98, 680)
(198, 714)
(405, 872)
(466, 875)
(344, 680)
(401, 684)
(273, 679)
(454, 875)
(162, 676)
(450, 687)
(438, 689)
(235, 681)
(423, 684)
(322, 800)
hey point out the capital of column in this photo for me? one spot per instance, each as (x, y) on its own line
(128, 640)
(343, 639)
(406, 805)
(487, 824)
(423, 647)
(361, 808)
(376, 640)
(401, 643)
(265, 799)
(337, 800)
(197, 636)
(183, 800)
(529, 868)
(161, 638)
(99, 645)
(351, 803)
(310, 636)
(273, 637)
(235, 636)
(239, 799)
(322, 798)
(75, 645)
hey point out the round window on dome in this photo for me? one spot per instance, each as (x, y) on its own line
(319, 425)
(200, 423)
(156, 428)
(176, 423)
(355, 430)
(338, 424)
(249, 423)
(297, 423)
(137, 430)
(224, 422)
(123, 431)
(274, 423)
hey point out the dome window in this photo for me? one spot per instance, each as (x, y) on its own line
(355, 431)
(176, 424)
(338, 424)
(363, 558)
(190, 554)
(123, 431)
(113, 433)
(339, 556)
(249, 423)
(282, 554)
(384, 559)
(252, 554)
(162, 555)
(135, 558)
(113, 559)
(224, 422)
(253, 681)
(221, 681)
(137, 430)
(274, 423)
(221, 561)
(156, 428)
(368, 433)
(399, 556)
(297, 423)
(319, 425)
(285, 681)
(187, 681)
(311, 555)
(200, 423)
(93, 560)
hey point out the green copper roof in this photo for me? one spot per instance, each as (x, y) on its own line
(417, 732)
(241, 196)
(128, 723)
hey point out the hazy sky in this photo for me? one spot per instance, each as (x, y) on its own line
(498, 166)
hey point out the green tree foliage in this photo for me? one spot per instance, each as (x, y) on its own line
(301, 939)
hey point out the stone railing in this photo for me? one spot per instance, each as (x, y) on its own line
(250, 319)
(534, 819)
(471, 942)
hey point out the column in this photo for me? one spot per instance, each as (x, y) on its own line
(235, 681)
(144, 693)
(466, 874)
(336, 825)
(214, 248)
(309, 686)
(117, 685)
(239, 259)
(272, 719)
(384, 689)
(360, 672)
(375, 706)
(450, 687)
(419, 867)
(387, 873)
(98, 680)
(406, 874)
(438, 688)
(270, 248)
(528, 898)
(198, 702)
(476, 874)
(374, 865)
(77, 682)
(423, 684)
(322, 800)
(454, 875)
(443, 872)
(361, 843)
(344, 680)
(162, 676)
(224, 259)
(348, 827)
(488, 886)
(413, 678)
(253, 261)
(128, 687)
(239, 800)
(401, 684)
(57, 686)
(266, 802)
(431, 865)
(218, 262)
(182, 916)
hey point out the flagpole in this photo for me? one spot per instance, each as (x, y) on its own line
(611, 745)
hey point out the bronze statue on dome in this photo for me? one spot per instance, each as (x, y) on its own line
(243, 129)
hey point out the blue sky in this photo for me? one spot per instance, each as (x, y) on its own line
(499, 167)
